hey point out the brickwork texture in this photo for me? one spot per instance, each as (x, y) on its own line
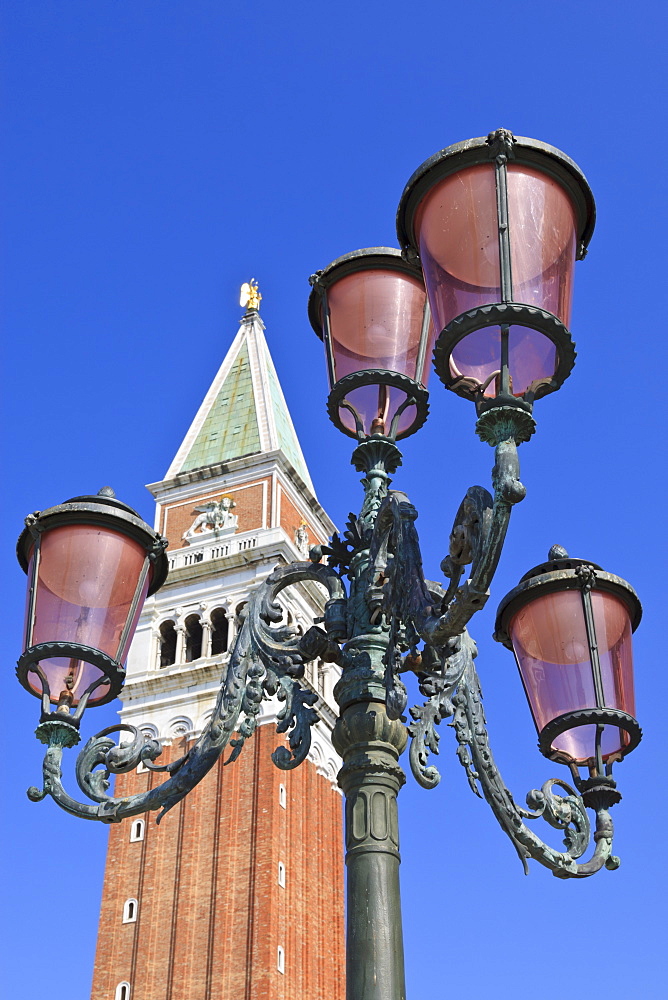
(211, 914)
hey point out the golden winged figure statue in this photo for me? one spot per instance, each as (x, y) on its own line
(250, 295)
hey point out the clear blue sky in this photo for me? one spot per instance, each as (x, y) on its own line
(157, 154)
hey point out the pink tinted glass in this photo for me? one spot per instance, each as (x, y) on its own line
(86, 580)
(542, 241)
(457, 230)
(377, 405)
(615, 650)
(531, 357)
(376, 321)
(550, 642)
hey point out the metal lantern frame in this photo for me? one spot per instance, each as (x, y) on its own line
(106, 511)
(559, 574)
(499, 147)
(369, 259)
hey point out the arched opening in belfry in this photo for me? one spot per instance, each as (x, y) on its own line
(219, 627)
(193, 650)
(167, 644)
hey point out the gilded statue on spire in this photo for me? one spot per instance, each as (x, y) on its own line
(250, 295)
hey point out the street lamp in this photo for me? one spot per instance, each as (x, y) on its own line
(91, 562)
(496, 225)
(370, 310)
(569, 625)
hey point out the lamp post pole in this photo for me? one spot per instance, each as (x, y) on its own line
(370, 744)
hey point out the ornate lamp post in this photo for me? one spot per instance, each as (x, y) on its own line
(496, 225)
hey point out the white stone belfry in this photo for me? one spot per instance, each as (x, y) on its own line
(236, 501)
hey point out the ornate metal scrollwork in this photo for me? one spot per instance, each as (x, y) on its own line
(565, 813)
(102, 750)
(340, 551)
(267, 660)
(440, 674)
(413, 610)
(391, 610)
(476, 539)
(468, 541)
(295, 718)
(453, 689)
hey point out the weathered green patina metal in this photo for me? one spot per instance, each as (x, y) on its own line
(382, 620)
(372, 629)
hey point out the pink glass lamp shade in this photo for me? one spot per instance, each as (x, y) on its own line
(497, 224)
(369, 308)
(569, 625)
(91, 562)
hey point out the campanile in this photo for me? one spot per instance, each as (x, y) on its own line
(238, 893)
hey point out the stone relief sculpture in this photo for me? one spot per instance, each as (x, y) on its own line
(215, 517)
(301, 539)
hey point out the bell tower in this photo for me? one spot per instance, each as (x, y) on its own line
(238, 893)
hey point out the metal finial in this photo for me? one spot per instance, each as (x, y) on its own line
(557, 552)
(501, 143)
(106, 491)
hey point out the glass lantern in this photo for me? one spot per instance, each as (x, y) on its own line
(497, 224)
(569, 624)
(91, 562)
(370, 310)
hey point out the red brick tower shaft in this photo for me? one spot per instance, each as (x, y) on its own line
(238, 893)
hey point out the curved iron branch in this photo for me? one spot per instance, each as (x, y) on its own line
(445, 667)
(265, 661)
(563, 812)
(398, 586)
(440, 673)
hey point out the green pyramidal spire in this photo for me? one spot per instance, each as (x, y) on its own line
(244, 412)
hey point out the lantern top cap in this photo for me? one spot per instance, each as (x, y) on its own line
(103, 509)
(368, 259)
(562, 572)
(484, 149)
(558, 559)
(105, 496)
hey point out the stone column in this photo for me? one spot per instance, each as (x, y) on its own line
(154, 655)
(180, 643)
(206, 637)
